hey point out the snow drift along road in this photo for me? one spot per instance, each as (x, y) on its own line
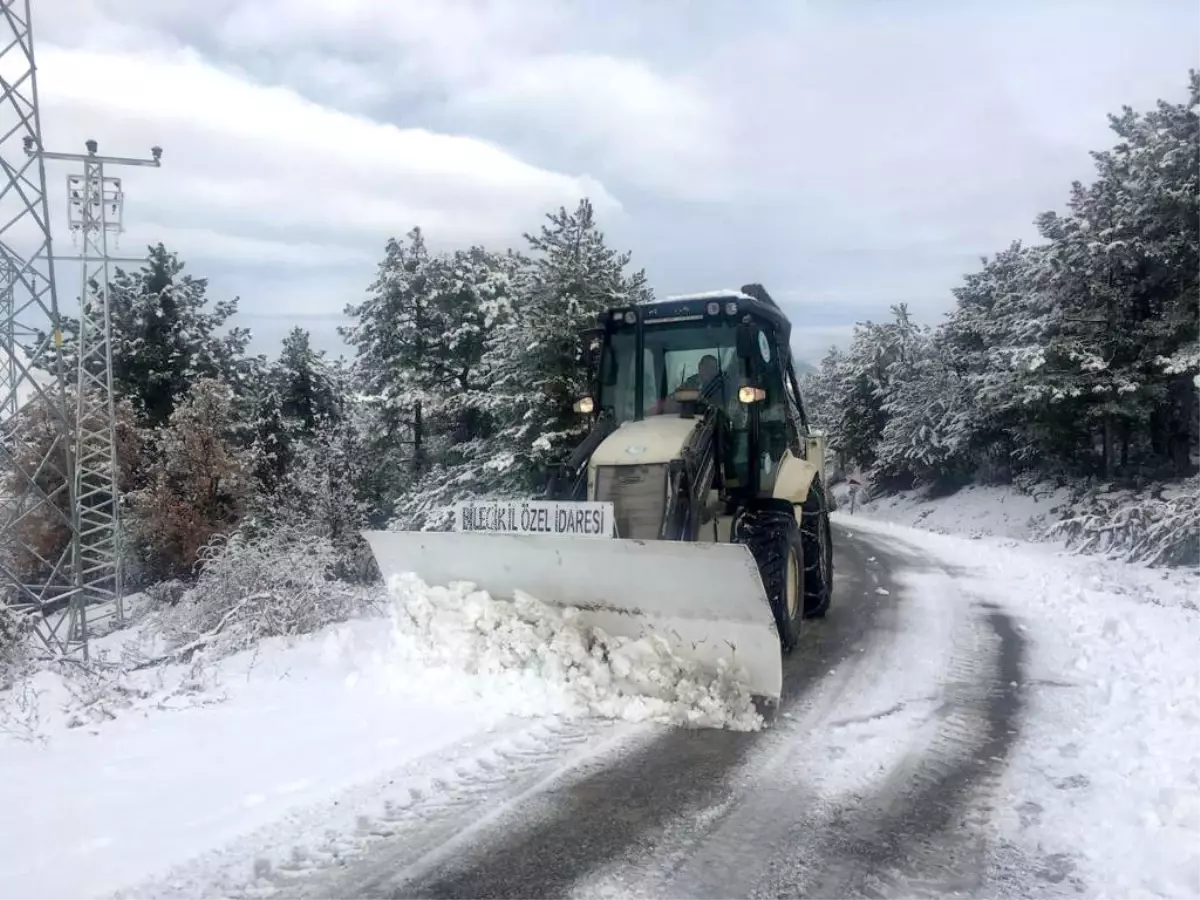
(186, 761)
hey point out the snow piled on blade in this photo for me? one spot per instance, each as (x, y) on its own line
(536, 659)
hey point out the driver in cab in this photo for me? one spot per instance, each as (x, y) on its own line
(709, 380)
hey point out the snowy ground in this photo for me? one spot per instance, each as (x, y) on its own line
(1108, 766)
(1019, 723)
(241, 776)
(975, 510)
(151, 767)
(1104, 781)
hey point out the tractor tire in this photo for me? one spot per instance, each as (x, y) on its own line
(818, 553)
(781, 565)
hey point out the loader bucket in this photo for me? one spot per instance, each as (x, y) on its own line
(706, 600)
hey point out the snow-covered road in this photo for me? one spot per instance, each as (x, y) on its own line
(950, 730)
(979, 717)
(899, 715)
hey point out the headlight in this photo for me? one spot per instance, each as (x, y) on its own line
(748, 394)
(731, 308)
(585, 406)
(713, 308)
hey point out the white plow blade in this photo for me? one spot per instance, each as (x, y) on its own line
(706, 600)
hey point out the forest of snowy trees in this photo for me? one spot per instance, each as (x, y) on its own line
(461, 381)
(1078, 354)
(1074, 358)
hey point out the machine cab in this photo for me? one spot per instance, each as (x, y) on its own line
(684, 356)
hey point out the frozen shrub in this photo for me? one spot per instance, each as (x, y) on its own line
(1157, 530)
(166, 593)
(15, 631)
(274, 584)
(199, 486)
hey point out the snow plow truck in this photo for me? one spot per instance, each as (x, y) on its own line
(696, 507)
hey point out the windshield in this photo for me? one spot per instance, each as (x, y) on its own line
(699, 355)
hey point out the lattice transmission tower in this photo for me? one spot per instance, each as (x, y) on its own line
(81, 411)
(38, 514)
(95, 210)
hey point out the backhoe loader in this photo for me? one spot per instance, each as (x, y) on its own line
(695, 508)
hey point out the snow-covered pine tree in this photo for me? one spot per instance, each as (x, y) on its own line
(929, 427)
(426, 335)
(1005, 340)
(471, 403)
(819, 390)
(853, 386)
(273, 441)
(391, 336)
(309, 454)
(323, 493)
(308, 390)
(1145, 211)
(165, 337)
(298, 398)
(575, 275)
(890, 402)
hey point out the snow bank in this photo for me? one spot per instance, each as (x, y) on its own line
(113, 774)
(129, 773)
(973, 511)
(1106, 772)
(526, 656)
(1157, 525)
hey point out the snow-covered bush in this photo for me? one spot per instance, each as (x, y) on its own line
(1155, 530)
(14, 645)
(199, 486)
(166, 593)
(273, 585)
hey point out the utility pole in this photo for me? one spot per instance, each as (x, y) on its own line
(95, 209)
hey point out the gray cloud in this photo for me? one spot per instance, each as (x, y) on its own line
(847, 155)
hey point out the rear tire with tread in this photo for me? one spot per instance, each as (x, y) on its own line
(818, 552)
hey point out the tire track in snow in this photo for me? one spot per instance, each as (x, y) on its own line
(437, 830)
(878, 786)
(924, 832)
(827, 745)
(445, 790)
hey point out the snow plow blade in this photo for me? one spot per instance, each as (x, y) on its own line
(706, 600)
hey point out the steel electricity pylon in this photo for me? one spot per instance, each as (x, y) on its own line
(60, 552)
(38, 512)
(96, 209)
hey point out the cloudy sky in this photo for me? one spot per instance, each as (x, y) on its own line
(847, 154)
